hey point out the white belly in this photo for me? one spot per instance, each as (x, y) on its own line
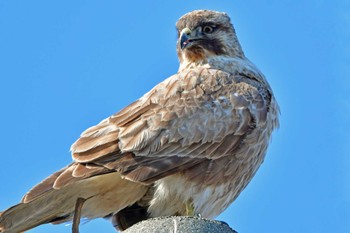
(174, 192)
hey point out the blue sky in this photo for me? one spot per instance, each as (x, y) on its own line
(66, 65)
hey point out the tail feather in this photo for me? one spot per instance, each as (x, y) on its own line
(103, 193)
(45, 209)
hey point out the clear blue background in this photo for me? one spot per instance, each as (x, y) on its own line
(66, 65)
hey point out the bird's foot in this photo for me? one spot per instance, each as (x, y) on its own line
(189, 208)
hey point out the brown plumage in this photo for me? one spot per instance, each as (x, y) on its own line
(195, 140)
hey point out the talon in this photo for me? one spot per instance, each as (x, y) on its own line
(189, 208)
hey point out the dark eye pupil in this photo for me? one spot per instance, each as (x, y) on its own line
(207, 29)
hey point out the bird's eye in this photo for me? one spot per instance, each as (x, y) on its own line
(208, 29)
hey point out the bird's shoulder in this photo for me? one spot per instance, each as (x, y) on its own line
(196, 105)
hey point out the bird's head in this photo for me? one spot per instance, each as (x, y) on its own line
(203, 34)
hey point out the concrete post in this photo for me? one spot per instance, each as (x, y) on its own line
(180, 224)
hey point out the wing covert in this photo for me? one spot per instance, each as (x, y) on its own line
(198, 115)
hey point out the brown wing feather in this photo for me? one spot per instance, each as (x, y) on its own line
(64, 177)
(192, 118)
(42, 187)
(199, 114)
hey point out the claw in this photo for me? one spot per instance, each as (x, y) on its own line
(189, 208)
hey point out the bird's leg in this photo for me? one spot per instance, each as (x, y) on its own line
(189, 208)
(77, 213)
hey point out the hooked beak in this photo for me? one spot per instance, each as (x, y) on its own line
(185, 38)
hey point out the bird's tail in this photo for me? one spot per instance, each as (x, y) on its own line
(50, 202)
(54, 200)
(55, 205)
(44, 203)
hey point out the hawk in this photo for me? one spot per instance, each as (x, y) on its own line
(187, 147)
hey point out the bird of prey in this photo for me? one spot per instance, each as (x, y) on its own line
(187, 147)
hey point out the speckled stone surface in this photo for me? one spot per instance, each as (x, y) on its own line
(180, 224)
